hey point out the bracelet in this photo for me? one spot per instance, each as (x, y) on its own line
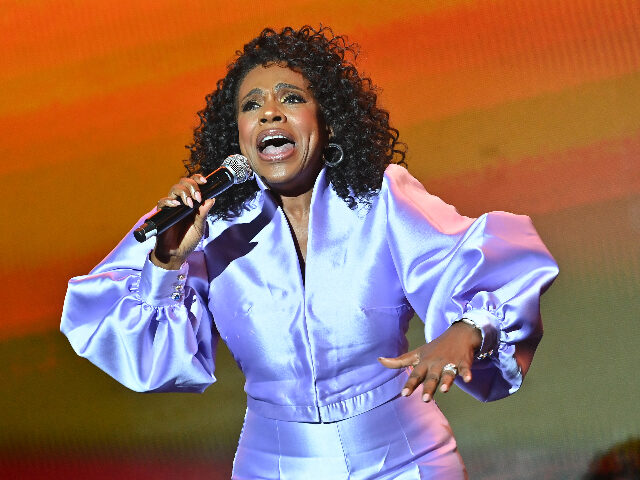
(468, 321)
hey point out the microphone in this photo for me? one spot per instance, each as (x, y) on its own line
(234, 169)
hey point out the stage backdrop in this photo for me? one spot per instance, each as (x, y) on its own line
(525, 106)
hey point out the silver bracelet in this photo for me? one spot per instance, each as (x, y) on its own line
(468, 321)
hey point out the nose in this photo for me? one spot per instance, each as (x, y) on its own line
(271, 113)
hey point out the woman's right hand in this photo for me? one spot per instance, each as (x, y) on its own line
(174, 245)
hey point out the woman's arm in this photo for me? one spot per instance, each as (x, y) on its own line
(148, 326)
(491, 270)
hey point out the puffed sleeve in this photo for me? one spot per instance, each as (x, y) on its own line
(491, 270)
(147, 327)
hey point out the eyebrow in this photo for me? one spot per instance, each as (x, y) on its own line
(276, 89)
(280, 86)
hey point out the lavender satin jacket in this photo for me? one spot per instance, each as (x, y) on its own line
(308, 346)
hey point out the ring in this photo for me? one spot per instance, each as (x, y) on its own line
(450, 368)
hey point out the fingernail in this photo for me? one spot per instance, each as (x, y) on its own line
(443, 387)
(198, 197)
(467, 379)
(405, 392)
(190, 202)
(426, 397)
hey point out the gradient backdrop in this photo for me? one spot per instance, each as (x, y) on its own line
(531, 106)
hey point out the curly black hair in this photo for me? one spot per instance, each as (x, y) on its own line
(348, 103)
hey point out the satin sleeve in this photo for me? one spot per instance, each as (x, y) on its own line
(147, 327)
(491, 270)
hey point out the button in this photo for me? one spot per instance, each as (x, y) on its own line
(175, 296)
(181, 277)
(178, 286)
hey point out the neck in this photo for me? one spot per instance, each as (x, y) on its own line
(297, 207)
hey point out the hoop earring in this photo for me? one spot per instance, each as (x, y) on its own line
(340, 158)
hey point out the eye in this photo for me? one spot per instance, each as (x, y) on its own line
(250, 105)
(293, 98)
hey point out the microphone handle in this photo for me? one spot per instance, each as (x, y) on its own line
(217, 182)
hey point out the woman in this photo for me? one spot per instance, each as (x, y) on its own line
(311, 274)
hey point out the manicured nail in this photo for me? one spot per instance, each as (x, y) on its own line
(467, 378)
(190, 202)
(426, 397)
(198, 197)
(444, 387)
(405, 392)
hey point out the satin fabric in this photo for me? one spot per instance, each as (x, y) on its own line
(402, 439)
(309, 346)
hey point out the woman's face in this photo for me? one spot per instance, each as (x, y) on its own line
(280, 128)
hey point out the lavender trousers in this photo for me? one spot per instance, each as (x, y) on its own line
(402, 439)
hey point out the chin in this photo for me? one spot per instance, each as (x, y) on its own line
(276, 172)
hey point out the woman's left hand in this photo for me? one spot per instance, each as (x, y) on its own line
(456, 345)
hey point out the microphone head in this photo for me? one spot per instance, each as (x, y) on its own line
(238, 166)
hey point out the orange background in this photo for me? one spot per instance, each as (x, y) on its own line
(526, 106)
(98, 99)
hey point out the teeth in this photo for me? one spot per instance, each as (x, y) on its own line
(273, 137)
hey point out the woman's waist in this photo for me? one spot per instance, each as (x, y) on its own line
(323, 401)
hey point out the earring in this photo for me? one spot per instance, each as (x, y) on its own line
(340, 158)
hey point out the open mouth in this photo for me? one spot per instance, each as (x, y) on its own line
(275, 144)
